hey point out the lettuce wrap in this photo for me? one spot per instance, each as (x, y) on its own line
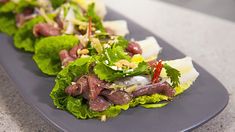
(7, 15)
(24, 37)
(17, 6)
(78, 107)
(71, 15)
(47, 52)
(8, 23)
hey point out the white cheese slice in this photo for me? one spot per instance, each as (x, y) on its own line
(150, 48)
(119, 27)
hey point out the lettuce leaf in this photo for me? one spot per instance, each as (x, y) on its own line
(7, 18)
(157, 105)
(7, 7)
(47, 52)
(17, 7)
(22, 4)
(7, 23)
(24, 38)
(79, 109)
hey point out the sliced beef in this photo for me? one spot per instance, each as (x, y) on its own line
(134, 48)
(26, 15)
(65, 58)
(73, 90)
(44, 29)
(20, 19)
(98, 104)
(73, 51)
(28, 11)
(91, 86)
(117, 97)
(95, 86)
(82, 82)
(161, 88)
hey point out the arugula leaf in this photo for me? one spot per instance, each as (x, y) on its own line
(47, 52)
(95, 18)
(121, 41)
(78, 12)
(7, 23)
(57, 3)
(173, 74)
(115, 54)
(104, 72)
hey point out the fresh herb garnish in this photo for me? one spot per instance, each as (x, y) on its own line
(173, 74)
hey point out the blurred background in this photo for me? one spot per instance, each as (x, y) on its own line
(224, 9)
(202, 29)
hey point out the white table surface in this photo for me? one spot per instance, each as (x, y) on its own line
(210, 41)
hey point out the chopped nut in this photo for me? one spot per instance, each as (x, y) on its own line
(118, 64)
(123, 63)
(85, 56)
(83, 52)
(82, 27)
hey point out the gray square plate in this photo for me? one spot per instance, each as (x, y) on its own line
(204, 100)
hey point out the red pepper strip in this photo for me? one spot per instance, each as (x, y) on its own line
(157, 72)
(89, 27)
